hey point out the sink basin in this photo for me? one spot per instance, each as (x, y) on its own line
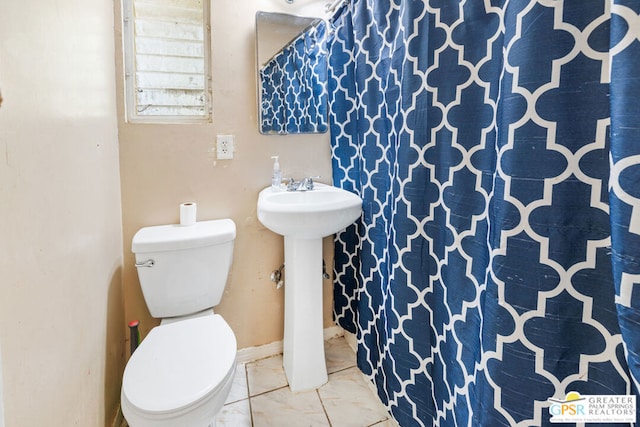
(304, 218)
(308, 214)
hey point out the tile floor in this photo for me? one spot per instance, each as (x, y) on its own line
(260, 396)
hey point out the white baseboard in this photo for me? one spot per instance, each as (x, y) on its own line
(251, 354)
(352, 340)
(333, 332)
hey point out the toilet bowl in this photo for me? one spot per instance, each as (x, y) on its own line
(181, 374)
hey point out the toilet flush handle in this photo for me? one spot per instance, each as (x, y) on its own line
(147, 263)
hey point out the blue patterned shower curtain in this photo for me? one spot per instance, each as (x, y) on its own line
(496, 147)
(293, 85)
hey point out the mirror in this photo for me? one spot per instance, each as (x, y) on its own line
(292, 74)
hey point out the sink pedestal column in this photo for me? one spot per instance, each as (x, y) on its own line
(304, 362)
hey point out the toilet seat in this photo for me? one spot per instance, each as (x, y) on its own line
(179, 366)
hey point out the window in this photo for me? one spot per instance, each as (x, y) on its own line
(167, 60)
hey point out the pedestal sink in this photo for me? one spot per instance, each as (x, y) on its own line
(304, 218)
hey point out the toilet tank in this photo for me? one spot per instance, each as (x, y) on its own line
(183, 270)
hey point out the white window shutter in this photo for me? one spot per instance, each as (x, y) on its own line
(167, 60)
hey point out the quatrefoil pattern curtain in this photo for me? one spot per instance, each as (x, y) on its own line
(293, 86)
(496, 147)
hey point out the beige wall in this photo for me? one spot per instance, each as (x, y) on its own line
(61, 309)
(64, 295)
(1, 393)
(164, 165)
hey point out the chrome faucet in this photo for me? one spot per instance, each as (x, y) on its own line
(305, 184)
(292, 185)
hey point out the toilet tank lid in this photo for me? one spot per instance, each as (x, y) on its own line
(175, 237)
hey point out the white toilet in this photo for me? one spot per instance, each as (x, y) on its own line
(181, 373)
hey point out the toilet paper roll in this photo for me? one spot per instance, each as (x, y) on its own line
(188, 213)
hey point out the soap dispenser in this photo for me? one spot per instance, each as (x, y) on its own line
(276, 177)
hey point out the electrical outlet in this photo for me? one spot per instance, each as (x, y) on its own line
(225, 146)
